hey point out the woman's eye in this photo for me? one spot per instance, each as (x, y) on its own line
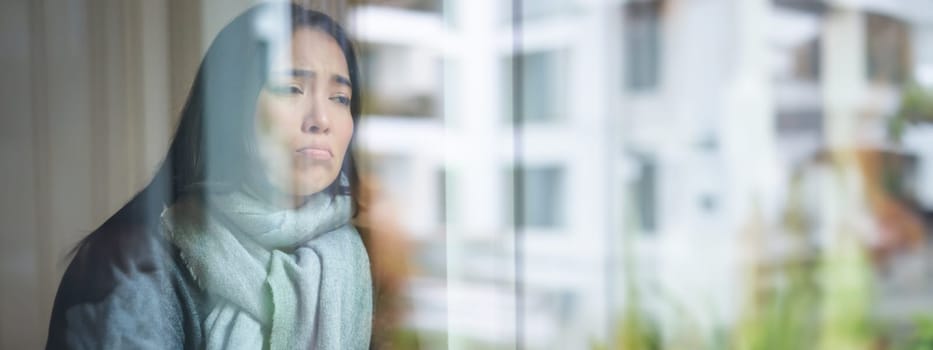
(341, 100)
(286, 90)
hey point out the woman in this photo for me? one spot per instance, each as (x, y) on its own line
(243, 238)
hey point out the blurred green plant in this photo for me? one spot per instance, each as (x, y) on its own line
(923, 333)
(916, 107)
(782, 300)
(847, 287)
(805, 298)
(636, 331)
(635, 328)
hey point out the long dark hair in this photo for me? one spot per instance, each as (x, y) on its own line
(214, 145)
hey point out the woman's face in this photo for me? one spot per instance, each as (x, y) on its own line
(303, 121)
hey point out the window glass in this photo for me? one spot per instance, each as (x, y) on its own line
(546, 72)
(586, 174)
(887, 45)
(543, 196)
(643, 37)
(401, 80)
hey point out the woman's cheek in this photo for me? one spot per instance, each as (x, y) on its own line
(279, 117)
(346, 133)
(272, 137)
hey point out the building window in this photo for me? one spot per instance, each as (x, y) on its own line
(806, 61)
(644, 193)
(558, 304)
(394, 173)
(536, 9)
(435, 6)
(888, 49)
(543, 194)
(642, 44)
(542, 89)
(400, 81)
(544, 8)
(801, 121)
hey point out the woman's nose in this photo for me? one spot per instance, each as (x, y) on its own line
(315, 119)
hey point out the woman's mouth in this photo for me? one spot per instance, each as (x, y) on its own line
(315, 152)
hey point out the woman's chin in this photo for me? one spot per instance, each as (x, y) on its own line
(307, 187)
(302, 184)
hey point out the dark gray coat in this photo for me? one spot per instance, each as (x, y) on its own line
(126, 288)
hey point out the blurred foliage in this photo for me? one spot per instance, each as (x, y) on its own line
(638, 330)
(635, 329)
(916, 107)
(778, 315)
(923, 336)
(389, 254)
(807, 297)
(848, 277)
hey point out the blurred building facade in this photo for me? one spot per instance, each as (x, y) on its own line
(455, 162)
(696, 114)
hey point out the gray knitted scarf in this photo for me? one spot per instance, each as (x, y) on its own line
(278, 278)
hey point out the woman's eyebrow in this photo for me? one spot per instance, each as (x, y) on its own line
(342, 80)
(304, 73)
(301, 73)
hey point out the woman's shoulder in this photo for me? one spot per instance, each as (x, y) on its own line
(111, 254)
(123, 281)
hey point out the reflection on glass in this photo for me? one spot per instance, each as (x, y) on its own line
(662, 174)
